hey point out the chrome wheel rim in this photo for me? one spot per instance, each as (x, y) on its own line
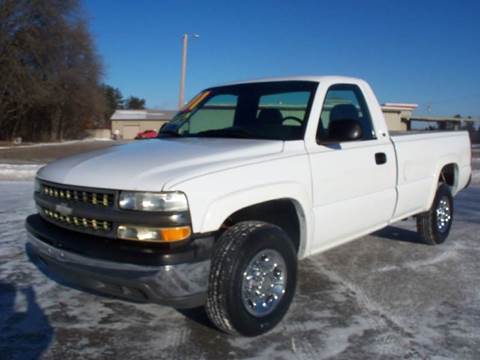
(444, 214)
(264, 282)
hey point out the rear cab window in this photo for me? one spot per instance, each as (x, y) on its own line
(292, 106)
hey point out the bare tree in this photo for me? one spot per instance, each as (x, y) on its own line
(49, 70)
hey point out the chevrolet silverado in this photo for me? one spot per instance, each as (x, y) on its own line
(246, 180)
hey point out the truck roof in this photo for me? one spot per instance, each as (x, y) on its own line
(316, 78)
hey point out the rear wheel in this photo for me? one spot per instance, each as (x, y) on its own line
(252, 278)
(434, 225)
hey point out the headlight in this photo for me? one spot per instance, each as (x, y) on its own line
(168, 201)
(153, 234)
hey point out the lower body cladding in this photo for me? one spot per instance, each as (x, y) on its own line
(180, 285)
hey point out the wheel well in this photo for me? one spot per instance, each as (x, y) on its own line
(448, 175)
(281, 212)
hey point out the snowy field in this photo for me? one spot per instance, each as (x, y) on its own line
(18, 171)
(382, 296)
(59, 143)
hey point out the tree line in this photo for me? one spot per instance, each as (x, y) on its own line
(50, 73)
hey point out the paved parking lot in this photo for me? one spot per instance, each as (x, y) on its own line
(382, 296)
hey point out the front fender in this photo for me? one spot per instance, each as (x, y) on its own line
(215, 196)
(218, 210)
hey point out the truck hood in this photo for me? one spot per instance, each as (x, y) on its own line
(149, 165)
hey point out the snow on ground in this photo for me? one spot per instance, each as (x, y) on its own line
(476, 176)
(384, 296)
(18, 171)
(60, 143)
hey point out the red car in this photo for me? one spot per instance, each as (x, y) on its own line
(147, 134)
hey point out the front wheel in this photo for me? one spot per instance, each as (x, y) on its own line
(434, 225)
(252, 278)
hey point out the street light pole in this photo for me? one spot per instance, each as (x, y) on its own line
(181, 98)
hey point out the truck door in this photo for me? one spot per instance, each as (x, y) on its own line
(353, 174)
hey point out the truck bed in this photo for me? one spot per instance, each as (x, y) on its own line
(419, 132)
(420, 157)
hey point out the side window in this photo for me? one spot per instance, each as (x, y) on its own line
(288, 108)
(217, 113)
(344, 102)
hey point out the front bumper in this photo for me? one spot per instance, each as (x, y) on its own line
(180, 285)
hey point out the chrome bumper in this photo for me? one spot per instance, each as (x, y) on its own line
(180, 286)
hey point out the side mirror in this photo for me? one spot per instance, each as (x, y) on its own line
(345, 130)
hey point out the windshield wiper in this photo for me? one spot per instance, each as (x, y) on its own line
(170, 133)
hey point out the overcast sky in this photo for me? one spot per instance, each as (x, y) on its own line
(425, 52)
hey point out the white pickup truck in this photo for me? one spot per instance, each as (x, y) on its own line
(247, 179)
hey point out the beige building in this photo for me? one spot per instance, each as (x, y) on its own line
(128, 123)
(398, 116)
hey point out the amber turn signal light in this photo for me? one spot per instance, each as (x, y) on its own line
(153, 234)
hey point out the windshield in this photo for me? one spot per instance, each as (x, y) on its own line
(266, 110)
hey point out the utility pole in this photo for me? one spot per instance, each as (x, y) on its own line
(181, 98)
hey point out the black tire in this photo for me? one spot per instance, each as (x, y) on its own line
(233, 251)
(428, 228)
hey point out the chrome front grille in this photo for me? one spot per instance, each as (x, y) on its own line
(81, 223)
(97, 198)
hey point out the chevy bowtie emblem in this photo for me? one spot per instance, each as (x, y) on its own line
(63, 209)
